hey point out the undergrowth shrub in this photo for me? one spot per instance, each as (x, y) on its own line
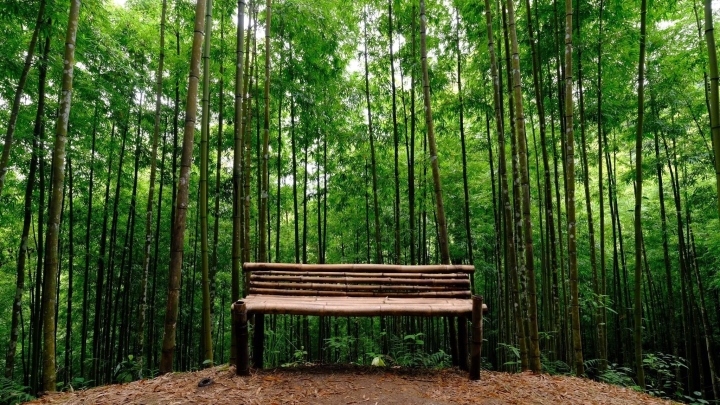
(12, 393)
(660, 381)
(127, 370)
(409, 351)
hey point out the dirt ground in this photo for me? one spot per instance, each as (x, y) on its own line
(353, 385)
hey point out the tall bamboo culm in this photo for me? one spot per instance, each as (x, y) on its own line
(638, 201)
(49, 298)
(181, 204)
(237, 169)
(529, 262)
(570, 173)
(430, 128)
(151, 192)
(206, 338)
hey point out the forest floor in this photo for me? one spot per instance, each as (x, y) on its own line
(329, 384)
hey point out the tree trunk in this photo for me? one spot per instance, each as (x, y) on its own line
(279, 166)
(714, 94)
(206, 338)
(638, 202)
(411, 156)
(36, 316)
(666, 250)
(108, 326)
(510, 255)
(237, 171)
(5, 157)
(293, 151)
(218, 168)
(396, 207)
(466, 191)
(706, 331)
(250, 66)
(58, 168)
(549, 252)
(151, 347)
(578, 365)
(305, 198)
(126, 267)
(442, 224)
(534, 348)
(373, 165)
(176, 115)
(88, 223)
(602, 322)
(586, 184)
(100, 274)
(71, 255)
(264, 182)
(521, 286)
(178, 235)
(150, 201)
(27, 216)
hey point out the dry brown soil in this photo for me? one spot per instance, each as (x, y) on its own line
(354, 385)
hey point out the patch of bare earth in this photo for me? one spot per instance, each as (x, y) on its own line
(354, 385)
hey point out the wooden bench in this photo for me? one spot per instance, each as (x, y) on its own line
(356, 290)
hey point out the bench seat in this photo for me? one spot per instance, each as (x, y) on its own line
(356, 306)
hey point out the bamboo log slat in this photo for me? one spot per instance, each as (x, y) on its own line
(354, 287)
(339, 293)
(372, 268)
(360, 310)
(460, 278)
(448, 275)
(357, 306)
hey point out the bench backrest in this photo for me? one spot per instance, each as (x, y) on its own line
(359, 280)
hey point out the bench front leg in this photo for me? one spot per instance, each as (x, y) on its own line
(258, 340)
(477, 332)
(240, 324)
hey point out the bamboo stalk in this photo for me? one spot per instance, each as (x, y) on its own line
(477, 314)
(390, 268)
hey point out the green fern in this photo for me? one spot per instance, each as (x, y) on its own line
(12, 393)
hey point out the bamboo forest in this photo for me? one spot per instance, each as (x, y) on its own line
(569, 151)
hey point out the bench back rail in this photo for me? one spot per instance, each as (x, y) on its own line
(359, 280)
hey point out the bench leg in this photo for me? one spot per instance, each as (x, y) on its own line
(463, 343)
(240, 326)
(258, 340)
(477, 332)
